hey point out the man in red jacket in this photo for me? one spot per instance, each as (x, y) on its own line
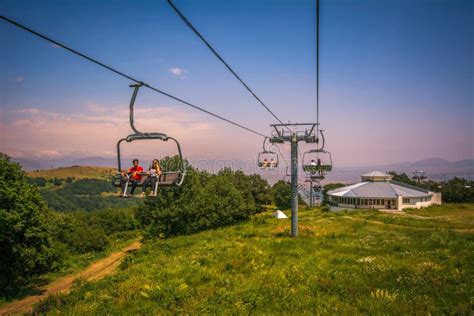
(132, 176)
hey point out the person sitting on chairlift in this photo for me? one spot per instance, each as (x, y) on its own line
(265, 163)
(272, 163)
(153, 174)
(132, 176)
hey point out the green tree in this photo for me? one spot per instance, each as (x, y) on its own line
(458, 190)
(57, 181)
(329, 187)
(402, 177)
(26, 246)
(281, 193)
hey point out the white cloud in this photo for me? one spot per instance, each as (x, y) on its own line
(178, 71)
(29, 111)
(97, 130)
(19, 79)
(96, 108)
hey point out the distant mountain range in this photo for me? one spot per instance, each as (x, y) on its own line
(435, 168)
(436, 165)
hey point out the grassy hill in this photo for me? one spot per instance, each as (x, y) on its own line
(362, 262)
(78, 172)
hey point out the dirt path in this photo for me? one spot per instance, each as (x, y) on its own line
(95, 271)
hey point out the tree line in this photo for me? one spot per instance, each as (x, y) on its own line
(455, 190)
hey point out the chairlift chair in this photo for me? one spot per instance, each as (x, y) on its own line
(317, 161)
(442, 183)
(317, 187)
(267, 159)
(320, 162)
(167, 178)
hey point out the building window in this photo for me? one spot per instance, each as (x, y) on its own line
(406, 201)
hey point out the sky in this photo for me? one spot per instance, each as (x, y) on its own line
(396, 77)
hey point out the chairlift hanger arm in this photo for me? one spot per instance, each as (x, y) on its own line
(153, 135)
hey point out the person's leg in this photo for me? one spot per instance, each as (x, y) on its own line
(134, 186)
(145, 184)
(123, 184)
(153, 181)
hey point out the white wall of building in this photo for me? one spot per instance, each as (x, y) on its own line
(399, 203)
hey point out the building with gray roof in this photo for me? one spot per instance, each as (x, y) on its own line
(378, 191)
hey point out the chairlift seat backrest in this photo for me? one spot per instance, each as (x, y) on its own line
(317, 168)
(165, 179)
(169, 178)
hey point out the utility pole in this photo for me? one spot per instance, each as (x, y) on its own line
(289, 133)
(294, 185)
(418, 176)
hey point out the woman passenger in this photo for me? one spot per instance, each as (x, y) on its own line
(154, 173)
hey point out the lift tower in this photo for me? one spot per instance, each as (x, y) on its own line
(294, 133)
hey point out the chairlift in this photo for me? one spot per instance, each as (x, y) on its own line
(173, 177)
(316, 183)
(267, 159)
(317, 187)
(442, 183)
(317, 161)
(419, 175)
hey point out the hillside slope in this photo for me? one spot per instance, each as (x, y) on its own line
(344, 263)
(78, 172)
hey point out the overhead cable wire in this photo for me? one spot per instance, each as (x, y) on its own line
(192, 28)
(317, 64)
(95, 61)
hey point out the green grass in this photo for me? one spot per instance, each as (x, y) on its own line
(342, 263)
(78, 172)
